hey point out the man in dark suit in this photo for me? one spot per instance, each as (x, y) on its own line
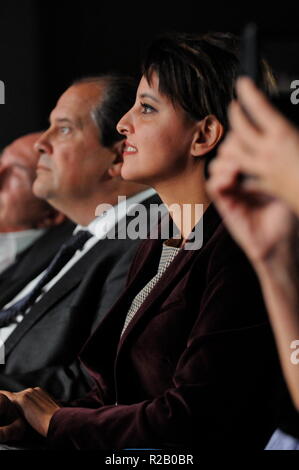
(28, 224)
(76, 173)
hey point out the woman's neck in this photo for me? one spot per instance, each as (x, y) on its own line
(186, 203)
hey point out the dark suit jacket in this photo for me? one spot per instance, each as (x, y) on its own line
(196, 367)
(43, 349)
(32, 261)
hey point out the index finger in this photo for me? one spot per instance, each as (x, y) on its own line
(258, 106)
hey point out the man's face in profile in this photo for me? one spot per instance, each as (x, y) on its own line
(20, 209)
(72, 163)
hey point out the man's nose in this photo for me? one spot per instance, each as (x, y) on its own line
(42, 144)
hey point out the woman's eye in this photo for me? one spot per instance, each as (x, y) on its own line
(147, 109)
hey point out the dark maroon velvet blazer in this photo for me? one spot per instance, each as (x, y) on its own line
(197, 366)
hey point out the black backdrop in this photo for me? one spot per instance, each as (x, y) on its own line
(44, 45)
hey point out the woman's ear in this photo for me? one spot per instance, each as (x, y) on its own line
(208, 134)
(117, 149)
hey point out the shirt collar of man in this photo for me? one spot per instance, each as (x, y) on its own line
(102, 224)
(14, 243)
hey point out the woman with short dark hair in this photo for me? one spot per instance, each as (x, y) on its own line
(186, 355)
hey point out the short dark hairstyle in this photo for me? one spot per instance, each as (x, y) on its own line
(198, 73)
(118, 97)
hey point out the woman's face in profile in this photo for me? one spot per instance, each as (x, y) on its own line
(159, 137)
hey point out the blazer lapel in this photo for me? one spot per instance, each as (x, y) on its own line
(70, 280)
(33, 261)
(182, 261)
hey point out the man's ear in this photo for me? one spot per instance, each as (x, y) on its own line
(208, 134)
(115, 169)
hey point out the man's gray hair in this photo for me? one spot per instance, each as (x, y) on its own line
(117, 98)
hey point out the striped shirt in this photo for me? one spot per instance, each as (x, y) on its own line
(168, 254)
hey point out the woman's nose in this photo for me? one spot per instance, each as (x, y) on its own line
(123, 126)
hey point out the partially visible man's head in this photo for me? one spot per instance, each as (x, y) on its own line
(20, 209)
(81, 147)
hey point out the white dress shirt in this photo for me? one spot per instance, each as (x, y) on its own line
(99, 228)
(13, 243)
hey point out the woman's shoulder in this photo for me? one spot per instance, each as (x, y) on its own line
(220, 252)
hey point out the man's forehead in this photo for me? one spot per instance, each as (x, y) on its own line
(77, 101)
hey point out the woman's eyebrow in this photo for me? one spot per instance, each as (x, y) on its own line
(147, 95)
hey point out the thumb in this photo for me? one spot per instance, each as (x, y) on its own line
(13, 432)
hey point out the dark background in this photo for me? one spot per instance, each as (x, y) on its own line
(44, 45)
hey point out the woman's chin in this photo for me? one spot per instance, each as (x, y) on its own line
(128, 173)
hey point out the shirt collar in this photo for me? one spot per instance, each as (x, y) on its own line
(101, 225)
(13, 243)
(22, 239)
